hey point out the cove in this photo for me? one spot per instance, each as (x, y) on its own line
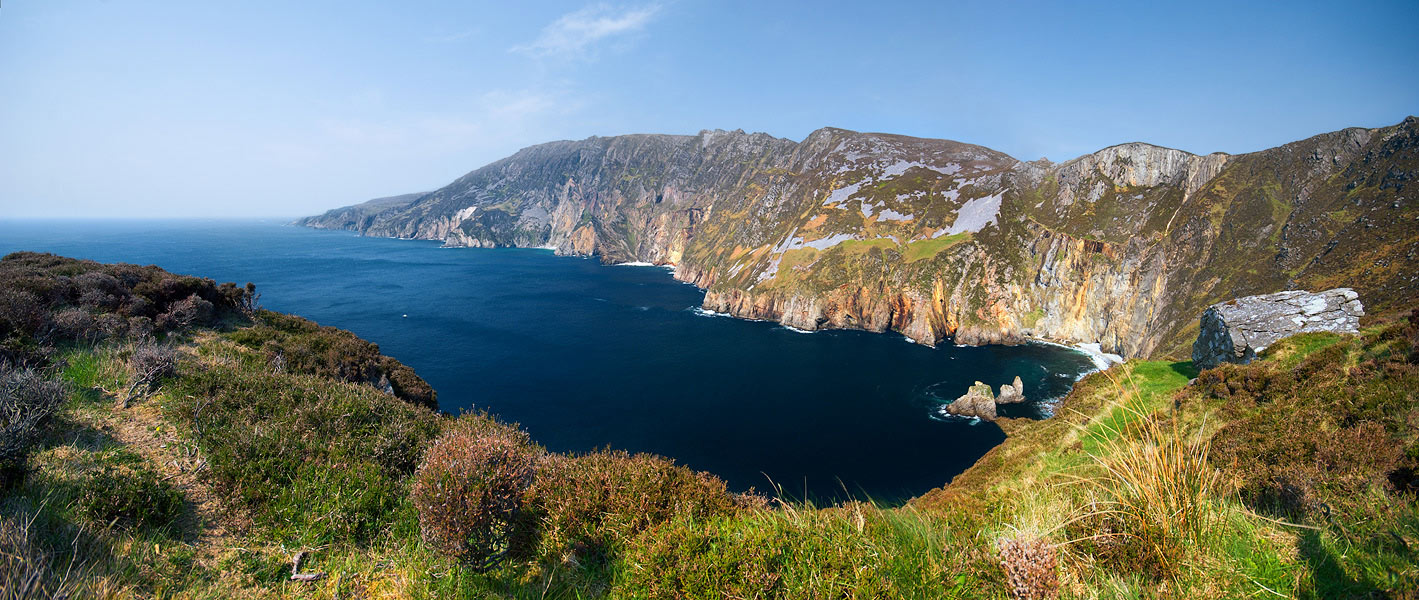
(588, 356)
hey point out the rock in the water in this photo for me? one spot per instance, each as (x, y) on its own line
(1234, 331)
(978, 402)
(1011, 393)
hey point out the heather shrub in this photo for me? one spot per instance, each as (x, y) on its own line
(856, 551)
(193, 310)
(293, 344)
(1031, 568)
(150, 365)
(20, 312)
(27, 401)
(328, 503)
(471, 490)
(594, 503)
(299, 451)
(130, 497)
(75, 324)
(1325, 432)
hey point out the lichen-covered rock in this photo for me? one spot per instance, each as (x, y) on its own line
(1011, 393)
(978, 402)
(1234, 331)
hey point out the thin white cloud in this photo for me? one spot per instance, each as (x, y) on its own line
(575, 34)
(489, 121)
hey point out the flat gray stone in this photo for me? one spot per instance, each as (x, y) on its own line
(1236, 330)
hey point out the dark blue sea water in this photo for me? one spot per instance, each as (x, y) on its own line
(587, 356)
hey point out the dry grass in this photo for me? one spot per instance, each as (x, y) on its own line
(1155, 495)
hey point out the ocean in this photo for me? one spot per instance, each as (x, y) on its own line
(587, 356)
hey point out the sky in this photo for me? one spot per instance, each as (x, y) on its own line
(144, 109)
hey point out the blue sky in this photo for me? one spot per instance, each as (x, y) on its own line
(255, 108)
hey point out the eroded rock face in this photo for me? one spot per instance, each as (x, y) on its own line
(1234, 331)
(1011, 393)
(949, 242)
(978, 402)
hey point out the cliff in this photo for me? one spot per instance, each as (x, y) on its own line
(943, 240)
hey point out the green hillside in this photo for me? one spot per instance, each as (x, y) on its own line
(164, 437)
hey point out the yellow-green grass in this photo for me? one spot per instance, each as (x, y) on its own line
(924, 249)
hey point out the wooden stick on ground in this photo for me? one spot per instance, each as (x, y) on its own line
(297, 575)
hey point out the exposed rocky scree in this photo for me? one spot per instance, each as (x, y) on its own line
(944, 241)
(1234, 331)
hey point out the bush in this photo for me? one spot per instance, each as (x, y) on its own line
(27, 401)
(857, 551)
(131, 497)
(76, 324)
(594, 503)
(342, 447)
(470, 491)
(1031, 568)
(297, 345)
(151, 363)
(193, 310)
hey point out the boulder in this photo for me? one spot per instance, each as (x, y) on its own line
(1236, 330)
(1011, 393)
(978, 402)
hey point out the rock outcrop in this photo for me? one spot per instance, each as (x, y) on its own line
(1234, 331)
(978, 402)
(1011, 393)
(941, 240)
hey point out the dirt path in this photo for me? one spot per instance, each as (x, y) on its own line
(141, 428)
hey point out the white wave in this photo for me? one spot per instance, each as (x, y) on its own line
(635, 264)
(795, 329)
(701, 311)
(1102, 360)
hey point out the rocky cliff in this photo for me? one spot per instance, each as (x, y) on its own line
(1236, 330)
(942, 240)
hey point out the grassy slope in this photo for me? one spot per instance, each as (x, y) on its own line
(1308, 492)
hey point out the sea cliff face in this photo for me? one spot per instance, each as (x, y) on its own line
(941, 240)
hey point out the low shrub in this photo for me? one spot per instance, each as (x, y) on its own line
(27, 401)
(470, 491)
(151, 364)
(190, 311)
(329, 503)
(857, 551)
(296, 345)
(593, 503)
(1031, 567)
(129, 496)
(47, 300)
(347, 448)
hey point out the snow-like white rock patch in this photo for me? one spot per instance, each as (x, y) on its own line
(975, 214)
(465, 214)
(892, 215)
(841, 194)
(827, 242)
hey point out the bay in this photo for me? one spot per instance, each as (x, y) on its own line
(587, 356)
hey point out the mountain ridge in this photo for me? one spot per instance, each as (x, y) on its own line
(944, 240)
